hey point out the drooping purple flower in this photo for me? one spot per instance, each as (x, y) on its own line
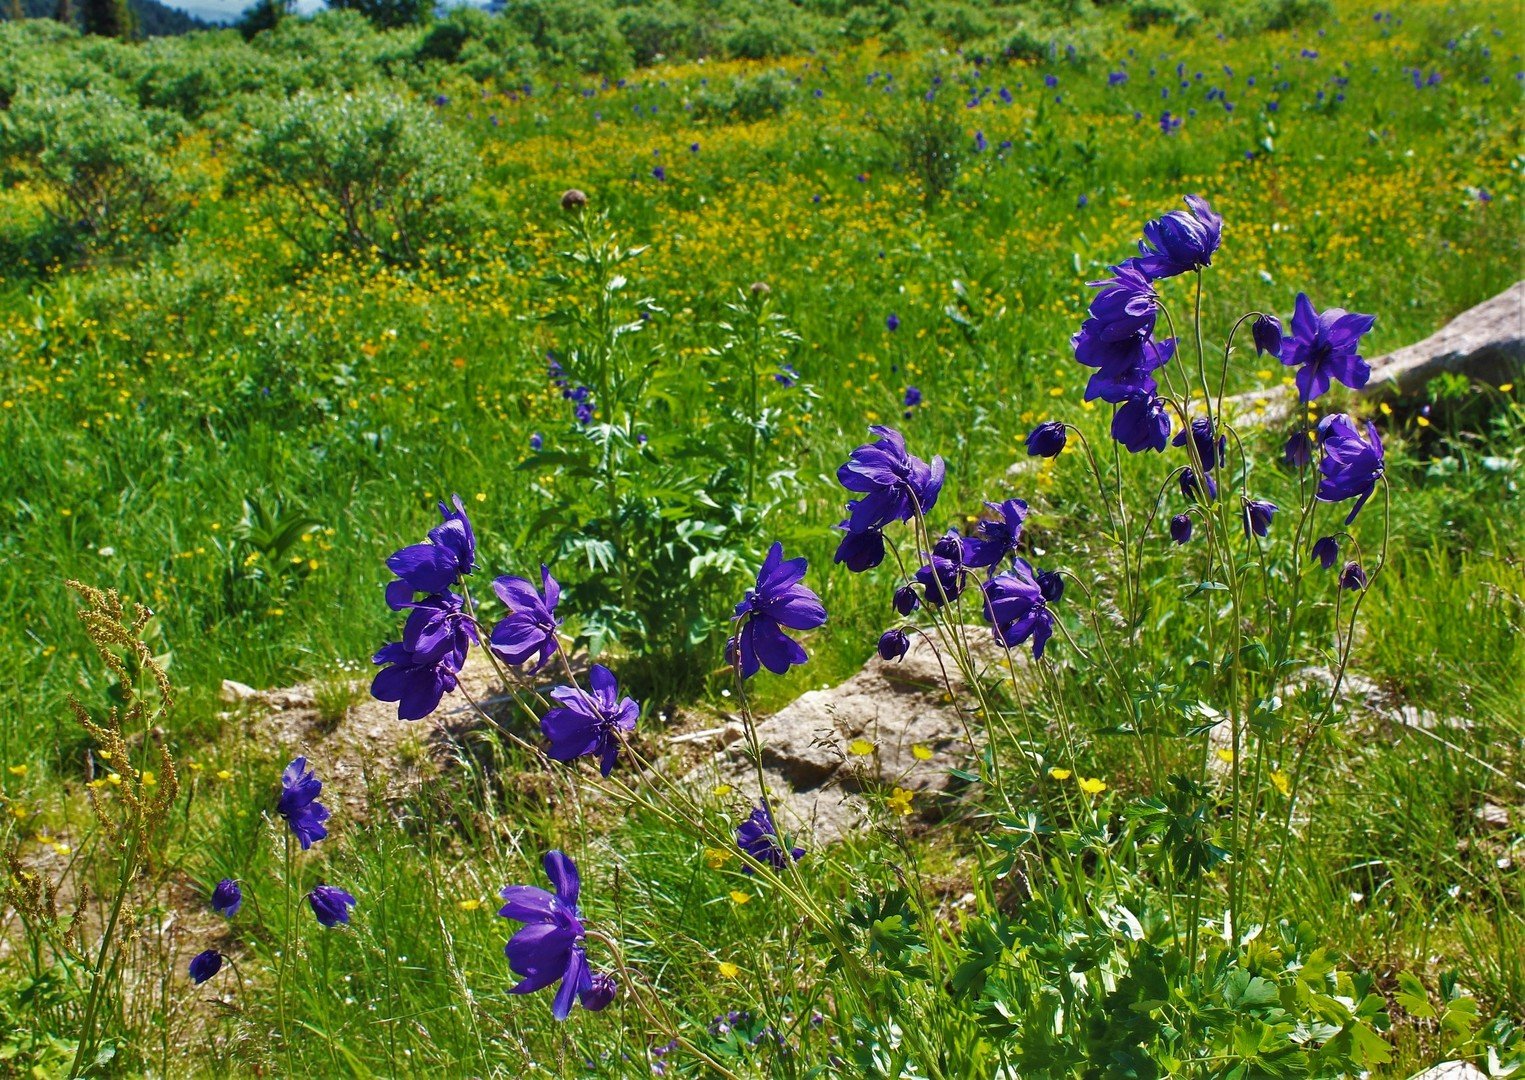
(1323, 348)
(993, 540)
(862, 550)
(1124, 368)
(1266, 330)
(892, 322)
(421, 668)
(1210, 451)
(893, 644)
(537, 441)
(1350, 465)
(1016, 609)
(1191, 489)
(1353, 577)
(589, 721)
(1257, 516)
(603, 987)
(1051, 585)
(892, 481)
(1047, 439)
(780, 599)
(1141, 423)
(1181, 241)
(1125, 305)
(912, 397)
(1180, 528)
(758, 838)
(227, 898)
(299, 803)
(550, 944)
(1326, 549)
(330, 904)
(530, 626)
(434, 566)
(1298, 452)
(905, 600)
(941, 579)
(204, 965)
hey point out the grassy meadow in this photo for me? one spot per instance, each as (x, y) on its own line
(234, 420)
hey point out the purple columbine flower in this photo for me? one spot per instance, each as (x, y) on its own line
(862, 550)
(941, 579)
(1353, 577)
(330, 904)
(994, 540)
(1257, 516)
(434, 566)
(912, 397)
(602, 987)
(537, 440)
(1180, 528)
(780, 599)
(1323, 348)
(299, 803)
(1209, 450)
(1326, 549)
(550, 944)
(1181, 241)
(905, 600)
(758, 838)
(1124, 368)
(530, 626)
(892, 322)
(1016, 609)
(1266, 331)
(1047, 439)
(227, 897)
(1298, 451)
(893, 644)
(589, 721)
(1051, 585)
(204, 965)
(423, 667)
(1141, 423)
(1192, 489)
(891, 480)
(1351, 465)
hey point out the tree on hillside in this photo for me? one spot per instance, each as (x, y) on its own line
(387, 14)
(64, 12)
(262, 15)
(107, 18)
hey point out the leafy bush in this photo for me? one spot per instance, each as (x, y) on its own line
(570, 33)
(192, 75)
(367, 172)
(389, 14)
(662, 29)
(765, 35)
(99, 163)
(928, 140)
(336, 48)
(749, 99)
(486, 47)
(1179, 14)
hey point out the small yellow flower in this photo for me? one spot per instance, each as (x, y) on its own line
(1060, 774)
(62, 849)
(860, 747)
(1422, 421)
(1387, 410)
(149, 779)
(224, 774)
(1281, 781)
(16, 770)
(481, 496)
(900, 801)
(468, 905)
(722, 790)
(1092, 786)
(729, 970)
(738, 897)
(105, 754)
(1224, 755)
(114, 779)
(197, 766)
(1505, 388)
(18, 812)
(715, 857)
(921, 753)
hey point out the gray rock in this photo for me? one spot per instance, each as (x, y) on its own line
(234, 692)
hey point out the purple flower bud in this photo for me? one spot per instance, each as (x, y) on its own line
(1298, 452)
(226, 898)
(1257, 516)
(892, 322)
(1326, 550)
(1353, 577)
(1266, 331)
(1051, 585)
(1191, 489)
(906, 600)
(601, 993)
(536, 440)
(893, 645)
(204, 965)
(1047, 439)
(949, 546)
(1180, 528)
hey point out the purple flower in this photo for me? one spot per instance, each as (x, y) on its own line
(1351, 465)
(589, 721)
(912, 397)
(330, 904)
(892, 322)
(550, 944)
(204, 965)
(1125, 368)
(1353, 577)
(1181, 241)
(981, 144)
(1210, 451)
(1266, 331)
(530, 626)
(893, 644)
(1257, 516)
(449, 554)
(227, 897)
(422, 668)
(1126, 306)
(1141, 423)
(1016, 609)
(1047, 439)
(758, 838)
(1298, 452)
(1326, 549)
(536, 440)
(1191, 489)
(1180, 528)
(603, 987)
(862, 550)
(994, 540)
(941, 579)
(893, 483)
(780, 599)
(659, 173)
(1323, 348)
(906, 600)
(1051, 585)
(298, 804)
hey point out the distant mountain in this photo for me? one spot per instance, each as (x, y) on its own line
(154, 19)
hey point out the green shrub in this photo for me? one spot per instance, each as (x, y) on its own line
(1179, 14)
(663, 29)
(336, 49)
(960, 22)
(366, 172)
(487, 47)
(749, 99)
(766, 35)
(194, 74)
(99, 163)
(573, 34)
(929, 143)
